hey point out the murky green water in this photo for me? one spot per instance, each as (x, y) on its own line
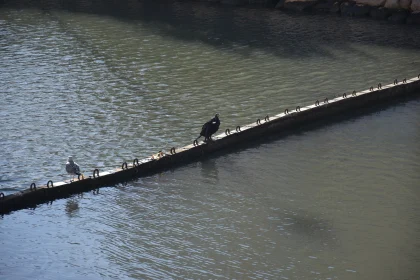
(108, 83)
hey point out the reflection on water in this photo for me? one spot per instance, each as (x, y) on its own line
(110, 81)
(310, 228)
(209, 170)
(72, 207)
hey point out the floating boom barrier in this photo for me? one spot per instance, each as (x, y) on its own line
(285, 122)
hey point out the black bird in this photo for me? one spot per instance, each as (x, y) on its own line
(210, 128)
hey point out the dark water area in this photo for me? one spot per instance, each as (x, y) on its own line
(244, 25)
(108, 81)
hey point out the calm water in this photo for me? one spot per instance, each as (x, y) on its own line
(108, 84)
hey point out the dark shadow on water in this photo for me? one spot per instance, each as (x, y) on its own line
(72, 207)
(315, 229)
(244, 29)
(209, 170)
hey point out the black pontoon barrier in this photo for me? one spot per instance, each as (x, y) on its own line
(282, 122)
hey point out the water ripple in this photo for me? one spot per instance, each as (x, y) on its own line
(108, 87)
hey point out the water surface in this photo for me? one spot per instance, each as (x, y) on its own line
(113, 82)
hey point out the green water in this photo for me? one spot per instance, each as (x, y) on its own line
(110, 82)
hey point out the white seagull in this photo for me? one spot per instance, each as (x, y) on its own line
(72, 168)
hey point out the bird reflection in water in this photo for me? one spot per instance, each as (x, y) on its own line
(72, 207)
(209, 171)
